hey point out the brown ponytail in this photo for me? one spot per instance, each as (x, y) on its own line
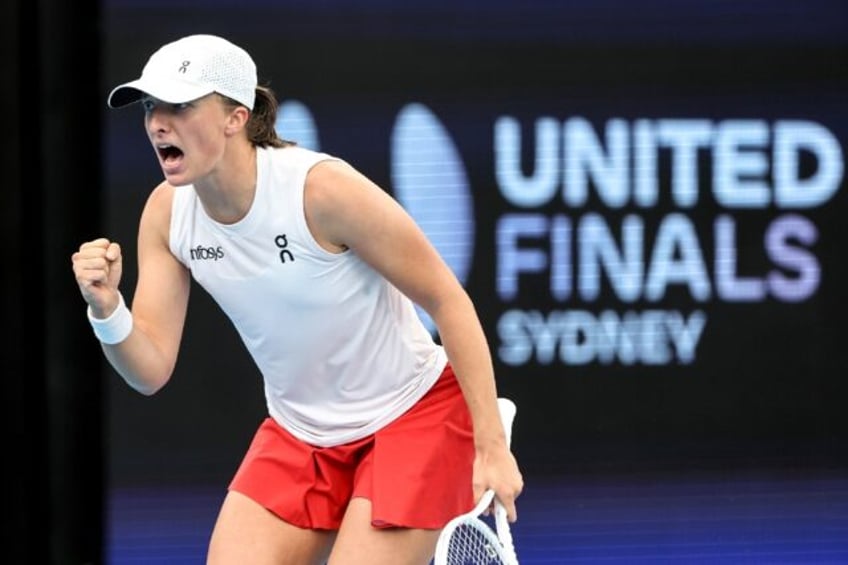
(261, 125)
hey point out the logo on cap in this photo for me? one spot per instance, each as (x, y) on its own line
(184, 67)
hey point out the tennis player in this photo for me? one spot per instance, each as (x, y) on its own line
(376, 434)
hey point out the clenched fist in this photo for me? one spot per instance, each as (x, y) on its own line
(97, 267)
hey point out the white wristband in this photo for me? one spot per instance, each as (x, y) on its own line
(116, 328)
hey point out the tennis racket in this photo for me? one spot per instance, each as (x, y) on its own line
(469, 539)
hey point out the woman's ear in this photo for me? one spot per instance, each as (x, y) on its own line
(237, 120)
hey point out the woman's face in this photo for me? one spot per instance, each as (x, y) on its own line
(189, 138)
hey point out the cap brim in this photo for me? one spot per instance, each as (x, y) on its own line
(173, 92)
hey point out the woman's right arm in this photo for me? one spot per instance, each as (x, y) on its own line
(146, 358)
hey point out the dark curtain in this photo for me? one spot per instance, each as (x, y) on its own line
(51, 201)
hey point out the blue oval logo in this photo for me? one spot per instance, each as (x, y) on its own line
(429, 180)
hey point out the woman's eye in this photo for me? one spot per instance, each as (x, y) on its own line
(150, 104)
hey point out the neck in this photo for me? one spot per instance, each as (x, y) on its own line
(227, 194)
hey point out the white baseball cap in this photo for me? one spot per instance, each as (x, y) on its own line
(190, 68)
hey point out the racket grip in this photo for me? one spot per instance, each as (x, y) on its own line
(507, 410)
(504, 532)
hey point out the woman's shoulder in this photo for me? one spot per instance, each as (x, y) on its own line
(161, 204)
(156, 217)
(161, 197)
(298, 154)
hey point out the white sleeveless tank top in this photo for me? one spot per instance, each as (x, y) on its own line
(342, 352)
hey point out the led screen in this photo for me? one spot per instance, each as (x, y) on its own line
(644, 201)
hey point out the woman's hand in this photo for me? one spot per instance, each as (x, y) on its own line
(97, 267)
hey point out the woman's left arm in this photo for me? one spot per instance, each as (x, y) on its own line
(344, 209)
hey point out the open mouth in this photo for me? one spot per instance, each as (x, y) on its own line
(169, 154)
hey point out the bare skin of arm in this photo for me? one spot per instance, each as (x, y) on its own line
(345, 210)
(146, 359)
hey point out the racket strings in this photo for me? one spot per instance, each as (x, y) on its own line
(469, 545)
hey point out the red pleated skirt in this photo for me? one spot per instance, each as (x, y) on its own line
(416, 471)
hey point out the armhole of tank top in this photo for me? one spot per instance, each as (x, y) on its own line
(177, 211)
(301, 217)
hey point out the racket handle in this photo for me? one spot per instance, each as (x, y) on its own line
(504, 532)
(507, 409)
